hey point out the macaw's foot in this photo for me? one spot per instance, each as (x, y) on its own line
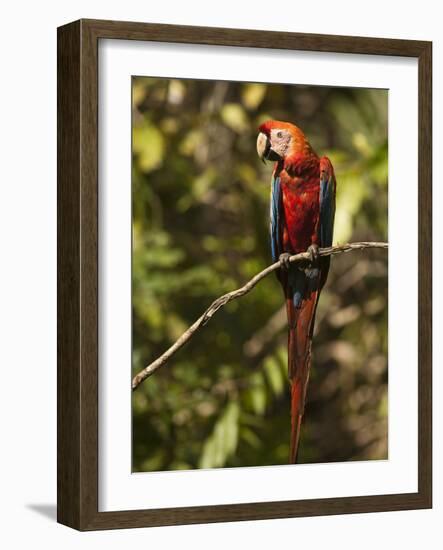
(284, 260)
(313, 253)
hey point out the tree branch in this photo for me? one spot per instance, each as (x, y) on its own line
(226, 298)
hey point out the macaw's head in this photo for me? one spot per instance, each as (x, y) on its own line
(278, 140)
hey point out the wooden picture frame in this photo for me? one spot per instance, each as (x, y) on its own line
(78, 274)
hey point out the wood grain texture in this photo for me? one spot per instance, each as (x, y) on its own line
(77, 408)
(68, 275)
(254, 38)
(425, 274)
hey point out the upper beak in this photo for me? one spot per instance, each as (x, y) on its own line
(263, 146)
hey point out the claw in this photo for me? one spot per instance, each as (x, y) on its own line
(284, 260)
(313, 253)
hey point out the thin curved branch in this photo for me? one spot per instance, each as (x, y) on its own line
(226, 298)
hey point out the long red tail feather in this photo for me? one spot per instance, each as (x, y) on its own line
(301, 324)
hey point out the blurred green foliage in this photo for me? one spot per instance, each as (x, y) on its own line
(200, 228)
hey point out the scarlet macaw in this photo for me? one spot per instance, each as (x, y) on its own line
(302, 219)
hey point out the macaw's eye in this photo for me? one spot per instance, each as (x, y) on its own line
(279, 134)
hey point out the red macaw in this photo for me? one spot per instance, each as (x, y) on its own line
(302, 219)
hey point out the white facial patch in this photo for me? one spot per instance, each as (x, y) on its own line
(280, 140)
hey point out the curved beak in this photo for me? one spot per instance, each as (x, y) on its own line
(264, 149)
(263, 146)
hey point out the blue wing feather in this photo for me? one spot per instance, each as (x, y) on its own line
(327, 207)
(276, 219)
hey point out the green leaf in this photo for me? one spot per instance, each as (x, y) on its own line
(274, 375)
(247, 435)
(222, 443)
(149, 146)
(234, 116)
(253, 94)
(257, 393)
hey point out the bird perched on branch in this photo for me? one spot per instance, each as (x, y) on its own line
(302, 219)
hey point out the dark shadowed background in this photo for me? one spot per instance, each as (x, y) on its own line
(200, 229)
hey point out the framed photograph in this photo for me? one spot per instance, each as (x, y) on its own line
(244, 275)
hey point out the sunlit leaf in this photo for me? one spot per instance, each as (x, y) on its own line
(253, 94)
(274, 375)
(222, 443)
(148, 144)
(234, 116)
(257, 393)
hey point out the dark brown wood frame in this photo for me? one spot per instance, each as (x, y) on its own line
(77, 455)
